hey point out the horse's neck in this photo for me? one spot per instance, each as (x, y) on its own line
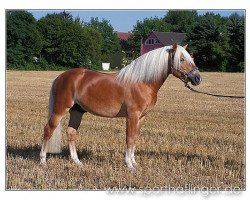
(157, 84)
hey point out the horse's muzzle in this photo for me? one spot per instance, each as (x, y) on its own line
(195, 77)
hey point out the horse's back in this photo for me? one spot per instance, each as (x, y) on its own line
(96, 92)
(74, 77)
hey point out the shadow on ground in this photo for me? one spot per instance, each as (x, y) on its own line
(33, 152)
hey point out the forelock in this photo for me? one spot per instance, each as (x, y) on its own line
(181, 51)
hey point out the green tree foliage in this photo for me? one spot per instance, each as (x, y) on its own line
(236, 33)
(110, 42)
(67, 42)
(24, 41)
(181, 21)
(208, 41)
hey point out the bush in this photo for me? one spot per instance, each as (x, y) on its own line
(95, 67)
(223, 67)
(241, 66)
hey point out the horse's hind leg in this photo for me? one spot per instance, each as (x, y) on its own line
(76, 113)
(48, 131)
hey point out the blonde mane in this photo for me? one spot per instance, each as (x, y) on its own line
(177, 57)
(150, 66)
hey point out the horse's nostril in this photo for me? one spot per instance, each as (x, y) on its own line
(197, 79)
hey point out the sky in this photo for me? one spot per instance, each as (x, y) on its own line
(124, 20)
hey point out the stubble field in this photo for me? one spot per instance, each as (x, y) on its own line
(188, 140)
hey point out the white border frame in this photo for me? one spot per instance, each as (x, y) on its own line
(108, 4)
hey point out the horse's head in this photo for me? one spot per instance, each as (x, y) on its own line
(183, 66)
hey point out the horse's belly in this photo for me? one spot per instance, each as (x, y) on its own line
(104, 102)
(103, 108)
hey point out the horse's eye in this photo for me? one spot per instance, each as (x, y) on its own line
(182, 59)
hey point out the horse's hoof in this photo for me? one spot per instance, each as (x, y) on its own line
(78, 162)
(134, 164)
(132, 169)
(43, 163)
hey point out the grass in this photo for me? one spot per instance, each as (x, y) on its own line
(188, 139)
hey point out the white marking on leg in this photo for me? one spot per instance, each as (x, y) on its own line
(73, 153)
(72, 147)
(43, 152)
(133, 157)
(128, 159)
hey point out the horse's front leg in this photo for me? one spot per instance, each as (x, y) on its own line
(133, 125)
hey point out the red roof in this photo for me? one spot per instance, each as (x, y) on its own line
(123, 35)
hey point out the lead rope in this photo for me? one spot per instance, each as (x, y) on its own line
(210, 94)
(193, 90)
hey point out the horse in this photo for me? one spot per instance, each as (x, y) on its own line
(130, 93)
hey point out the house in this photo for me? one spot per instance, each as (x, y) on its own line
(123, 36)
(159, 39)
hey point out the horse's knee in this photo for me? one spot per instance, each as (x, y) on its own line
(71, 132)
(54, 121)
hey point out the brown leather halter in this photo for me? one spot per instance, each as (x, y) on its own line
(184, 75)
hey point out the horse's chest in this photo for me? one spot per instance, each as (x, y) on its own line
(149, 105)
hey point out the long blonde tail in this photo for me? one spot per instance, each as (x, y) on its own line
(54, 145)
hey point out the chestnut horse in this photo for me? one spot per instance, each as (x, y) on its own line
(130, 93)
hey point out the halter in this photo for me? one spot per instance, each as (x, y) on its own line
(184, 75)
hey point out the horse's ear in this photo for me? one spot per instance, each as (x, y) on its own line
(192, 55)
(185, 47)
(175, 47)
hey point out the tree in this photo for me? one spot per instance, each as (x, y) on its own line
(181, 21)
(208, 41)
(110, 42)
(23, 38)
(236, 30)
(68, 42)
(93, 42)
